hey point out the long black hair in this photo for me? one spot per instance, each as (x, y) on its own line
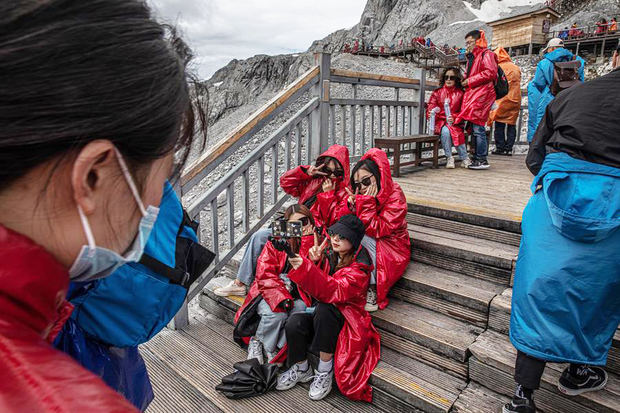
(72, 71)
(459, 77)
(370, 166)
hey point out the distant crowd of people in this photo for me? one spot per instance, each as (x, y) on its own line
(362, 46)
(601, 27)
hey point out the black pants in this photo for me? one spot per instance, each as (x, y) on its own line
(505, 136)
(529, 370)
(318, 332)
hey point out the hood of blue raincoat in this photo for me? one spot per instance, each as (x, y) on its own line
(583, 197)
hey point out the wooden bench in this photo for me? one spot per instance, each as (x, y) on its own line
(395, 142)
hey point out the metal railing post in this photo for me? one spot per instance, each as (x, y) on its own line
(181, 319)
(422, 100)
(320, 116)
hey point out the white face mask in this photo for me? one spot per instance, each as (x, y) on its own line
(95, 262)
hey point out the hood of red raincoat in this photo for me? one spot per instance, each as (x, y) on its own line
(387, 184)
(341, 154)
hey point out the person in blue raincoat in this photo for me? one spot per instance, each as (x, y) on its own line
(566, 294)
(539, 89)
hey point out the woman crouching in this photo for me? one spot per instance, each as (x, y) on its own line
(272, 296)
(338, 324)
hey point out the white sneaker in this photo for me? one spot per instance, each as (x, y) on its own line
(231, 289)
(450, 163)
(292, 376)
(255, 350)
(466, 163)
(321, 385)
(371, 301)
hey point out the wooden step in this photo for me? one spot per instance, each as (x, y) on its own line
(499, 320)
(431, 390)
(459, 296)
(469, 217)
(492, 365)
(478, 399)
(484, 259)
(477, 231)
(439, 333)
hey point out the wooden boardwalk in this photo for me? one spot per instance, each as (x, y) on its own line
(499, 192)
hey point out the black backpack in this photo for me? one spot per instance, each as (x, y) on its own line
(501, 84)
(565, 75)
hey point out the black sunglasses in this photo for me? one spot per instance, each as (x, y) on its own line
(449, 77)
(336, 173)
(365, 182)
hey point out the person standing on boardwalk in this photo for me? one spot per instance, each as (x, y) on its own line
(508, 107)
(567, 309)
(539, 90)
(479, 95)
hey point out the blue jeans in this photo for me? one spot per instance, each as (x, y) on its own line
(482, 149)
(247, 269)
(446, 142)
(270, 329)
(371, 246)
(505, 136)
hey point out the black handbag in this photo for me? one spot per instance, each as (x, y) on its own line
(250, 379)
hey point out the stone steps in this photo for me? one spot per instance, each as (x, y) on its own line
(499, 320)
(492, 365)
(409, 381)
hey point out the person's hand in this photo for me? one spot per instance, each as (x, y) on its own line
(315, 171)
(351, 199)
(450, 120)
(316, 251)
(287, 305)
(296, 261)
(328, 185)
(372, 190)
(465, 82)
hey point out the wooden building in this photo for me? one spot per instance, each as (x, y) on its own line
(523, 32)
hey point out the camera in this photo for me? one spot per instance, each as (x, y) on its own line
(286, 236)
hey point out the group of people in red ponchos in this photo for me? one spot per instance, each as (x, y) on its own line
(354, 247)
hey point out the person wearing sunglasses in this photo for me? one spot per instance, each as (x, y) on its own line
(337, 328)
(450, 91)
(381, 205)
(272, 296)
(320, 187)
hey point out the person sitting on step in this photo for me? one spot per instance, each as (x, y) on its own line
(381, 205)
(450, 90)
(319, 187)
(272, 296)
(337, 327)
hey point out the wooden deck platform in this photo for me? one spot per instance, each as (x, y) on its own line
(501, 191)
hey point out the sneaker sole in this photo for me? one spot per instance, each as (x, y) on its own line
(371, 308)
(479, 168)
(572, 392)
(226, 294)
(324, 395)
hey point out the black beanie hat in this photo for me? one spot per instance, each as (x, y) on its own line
(349, 227)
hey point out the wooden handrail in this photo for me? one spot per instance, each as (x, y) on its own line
(238, 133)
(372, 76)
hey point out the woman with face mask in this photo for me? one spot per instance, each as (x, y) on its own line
(381, 205)
(337, 328)
(86, 144)
(320, 187)
(277, 296)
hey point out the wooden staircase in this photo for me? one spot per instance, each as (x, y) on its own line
(444, 335)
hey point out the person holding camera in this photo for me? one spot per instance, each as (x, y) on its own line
(338, 328)
(319, 187)
(272, 296)
(381, 205)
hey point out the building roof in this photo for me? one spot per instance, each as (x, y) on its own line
(524, 13)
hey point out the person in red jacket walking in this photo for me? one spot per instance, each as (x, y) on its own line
(319, 187)
(479, 92)
(338, 327)
(381, 205)
(450, 91)
(85, 148)
(272, 296)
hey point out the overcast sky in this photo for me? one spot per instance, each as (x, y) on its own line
(221, 30)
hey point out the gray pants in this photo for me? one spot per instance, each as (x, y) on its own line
(371, 246)
(247, 269)
(270, 329)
